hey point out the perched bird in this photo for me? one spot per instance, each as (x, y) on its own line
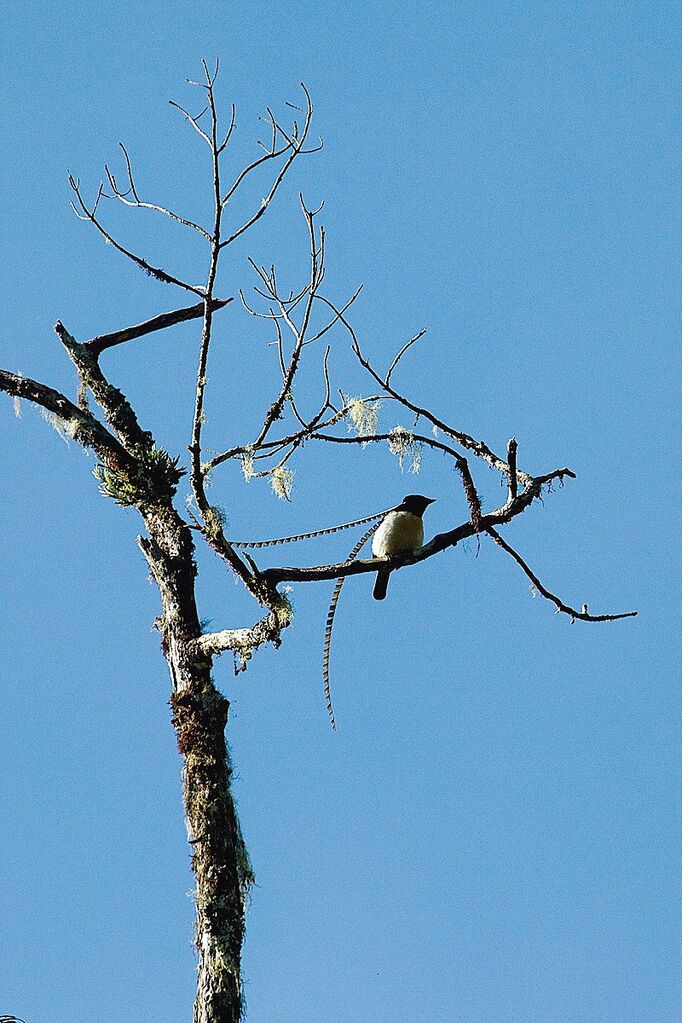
(401, 530)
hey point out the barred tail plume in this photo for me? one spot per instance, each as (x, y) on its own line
(330, 622)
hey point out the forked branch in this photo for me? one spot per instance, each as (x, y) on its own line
(90, 214)
(130, 197)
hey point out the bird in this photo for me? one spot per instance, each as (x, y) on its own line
(400, 531)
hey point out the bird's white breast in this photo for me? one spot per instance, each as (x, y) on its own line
(399, 532)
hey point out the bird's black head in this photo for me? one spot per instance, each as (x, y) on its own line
(415, 503)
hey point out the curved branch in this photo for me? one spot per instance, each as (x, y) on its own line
(91, 215)
(302, 434)
(251, 167)
(408, 344)
(194, 121)
(335, 318)
(479, 448)
(444, 541)
(81, 425)
(583, 615)
(440, 542)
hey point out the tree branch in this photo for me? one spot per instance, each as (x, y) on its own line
(242, 641)
(470, 492)
(299, 333)
(212, 530)
(194, 121)
(116, 407)
(252, 166)
(408, 344)
(296, 145)
(91, 215)
(440, 542)
(80, 424)
(512, 448)
(137, 203)
(479, 448)
(99, 344)
(582, 615)
(273, 446)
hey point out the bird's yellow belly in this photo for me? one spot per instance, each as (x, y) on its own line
(398, 533)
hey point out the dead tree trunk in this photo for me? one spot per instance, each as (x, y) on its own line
(219, 859)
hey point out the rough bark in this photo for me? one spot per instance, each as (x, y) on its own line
(219, 860)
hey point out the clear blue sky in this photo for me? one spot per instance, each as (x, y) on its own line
(491, 836)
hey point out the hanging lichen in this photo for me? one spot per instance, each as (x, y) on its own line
(215, 519)
(364, 416)
(282, 481)
(283, 610)
(247, 464)
(66, 428)
(401, 442)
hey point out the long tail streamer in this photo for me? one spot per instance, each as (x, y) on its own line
(330, 621)
(306, 536)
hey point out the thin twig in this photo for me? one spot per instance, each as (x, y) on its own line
(237, 451)
(136, 202)
(408, 344)
(512, 448)
(335, 320)
(228, 134)
(479, 448)
(192, 120)
(299, 332)
(251, 167)
(296, 146)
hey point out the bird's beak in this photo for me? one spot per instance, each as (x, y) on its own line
(430, 500)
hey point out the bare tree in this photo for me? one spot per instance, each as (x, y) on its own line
(135, 471)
